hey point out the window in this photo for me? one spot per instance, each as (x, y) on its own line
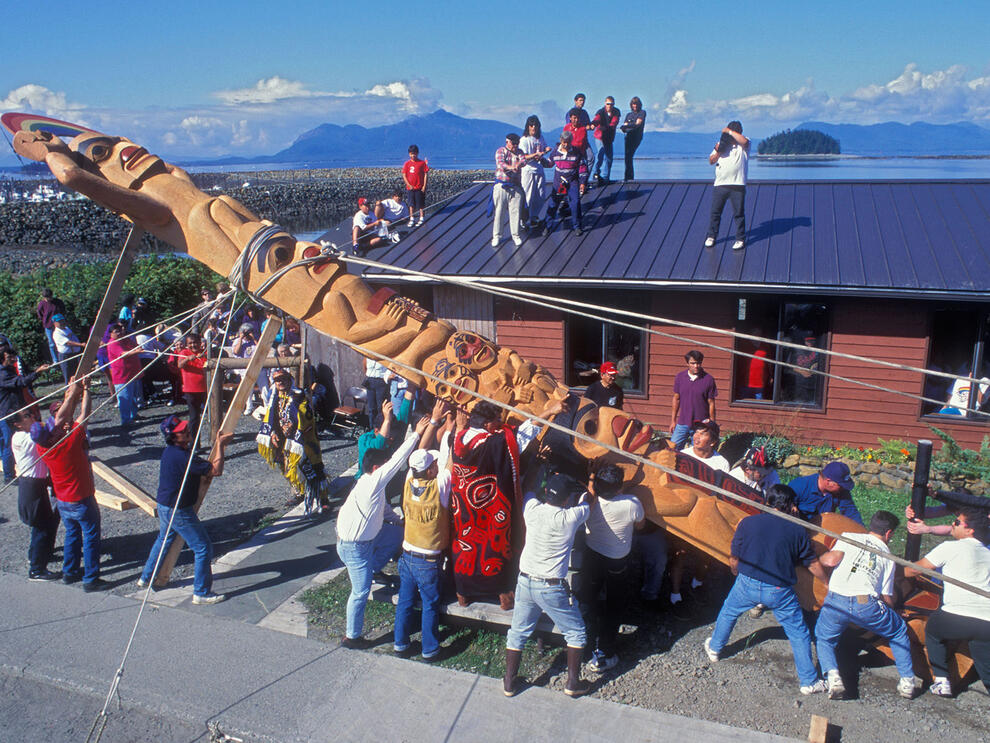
(960, 344)
(760, 381)
(591, 342)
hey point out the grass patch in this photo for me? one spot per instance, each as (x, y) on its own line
(465, 648)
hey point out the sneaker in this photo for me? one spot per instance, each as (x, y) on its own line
(517, 242)
(836, 689)
(757, 611)
(354, 643)
(712, 654)
(709, 242)
(941, 687)
(419, 223)
(405, 652)
(97, 584)
(142, 583)
(44, 575)
(496, 241)
(816, 688)
(70, 578)
(208, 598)
(905, 687)
(601, 662)
(432, 657)
(738, 245)
(578, 231)
(546, 231)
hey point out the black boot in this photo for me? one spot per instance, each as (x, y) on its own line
(575, 686)
(512, 659)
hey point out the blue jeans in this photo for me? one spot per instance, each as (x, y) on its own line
(533, 597)
(418, 572)
(63, 365)
(82, 538)
(189, 527)
(838, 612)
(363, 560)
(604, 161)
(127, 401)
(50, 336)
(680, 434)
(748, 592)
(7, 452)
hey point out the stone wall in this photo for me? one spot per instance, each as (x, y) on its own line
(890, 476)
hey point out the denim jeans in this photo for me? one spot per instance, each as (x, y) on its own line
(190, 528)
(50, 337)
(652, 550)
(680, 434)
(604, 161)
(748, 592)
(82, 538)
(838, 612)
(127, 401)
(63, 364)
(533, 597)
(8, 453)
(735, 194)
(416, 572)
(363, 560)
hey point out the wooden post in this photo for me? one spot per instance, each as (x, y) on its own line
(110, 297)
(230, 420)
(818, 732)
(301, 378)
(919, 492)
(214, 402)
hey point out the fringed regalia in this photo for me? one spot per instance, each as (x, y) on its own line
(294, 449)
(484, 495)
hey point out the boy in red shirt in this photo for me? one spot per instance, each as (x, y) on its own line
(192, 363)
(415, 174)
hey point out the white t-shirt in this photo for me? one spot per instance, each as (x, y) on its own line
(959, 397)
(969, 561)
(394, 210)
(549, 537)
(716, 461)
(610, 525)
(732, 167)
(60, 336)
(27, 461)
(361, 516)
(861, 572)
(362, 220)
(529, 145)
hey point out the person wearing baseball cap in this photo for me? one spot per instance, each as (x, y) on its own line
(178, 493)
(704, 440)
(65, 341)
(363, 227)
(827, 491)
(755, 469)
(605, 393)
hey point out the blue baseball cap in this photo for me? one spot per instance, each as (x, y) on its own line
(838, 472)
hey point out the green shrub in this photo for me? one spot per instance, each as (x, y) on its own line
(955, 463)
(171, 284)
(778, 448)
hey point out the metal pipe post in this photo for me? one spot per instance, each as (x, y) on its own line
(919, 492)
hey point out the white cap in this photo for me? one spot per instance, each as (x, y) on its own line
(421, 459)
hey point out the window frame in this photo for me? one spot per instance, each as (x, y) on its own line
(980, 353)
(644, 361)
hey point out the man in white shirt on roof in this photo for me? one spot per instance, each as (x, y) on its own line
(861, 592)
(369, 531)
(704, 439)
(731, 160)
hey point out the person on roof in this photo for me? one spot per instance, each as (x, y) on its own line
(730, 156)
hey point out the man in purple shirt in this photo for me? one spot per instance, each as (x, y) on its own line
(48, 307)
(694, 398)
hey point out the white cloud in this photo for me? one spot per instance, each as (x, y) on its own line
(39, 99)
(269, 90)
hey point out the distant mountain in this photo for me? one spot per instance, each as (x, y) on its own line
(894, 139)
(440, 133)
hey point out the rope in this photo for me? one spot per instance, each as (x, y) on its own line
(119, 674)
(540, 300)
(656, 465)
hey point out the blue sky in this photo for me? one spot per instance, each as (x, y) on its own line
(200, 78)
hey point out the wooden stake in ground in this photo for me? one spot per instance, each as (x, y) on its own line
(818, 733)
(230, 420)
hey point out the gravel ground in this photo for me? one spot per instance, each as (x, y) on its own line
(248, 494)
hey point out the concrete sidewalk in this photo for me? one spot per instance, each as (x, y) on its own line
(191, 666)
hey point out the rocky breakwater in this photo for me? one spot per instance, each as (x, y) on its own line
(38, 234)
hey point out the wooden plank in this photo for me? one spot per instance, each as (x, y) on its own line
(116, 502)
(234, 412)
(127, 488)
(818, 733)
(107, 308)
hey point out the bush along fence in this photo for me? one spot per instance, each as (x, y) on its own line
(891, 464)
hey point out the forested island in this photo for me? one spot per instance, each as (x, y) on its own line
(799, 142)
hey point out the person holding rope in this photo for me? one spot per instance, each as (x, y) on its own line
(34, 505)
(12, 389)
(176, 498)
(963, 615)
(861, 592)
(764, 552)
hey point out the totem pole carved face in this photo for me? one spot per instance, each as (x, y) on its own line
(455, 374)
(612, 427)
(117, 159)
(472, 351)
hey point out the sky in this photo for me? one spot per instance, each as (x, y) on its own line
(201, 79)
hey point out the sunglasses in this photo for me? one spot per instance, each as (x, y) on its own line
(959, 522)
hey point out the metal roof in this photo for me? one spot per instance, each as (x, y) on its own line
(860, 237)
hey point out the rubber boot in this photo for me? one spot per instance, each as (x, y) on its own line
(575, 686)
(512, 659)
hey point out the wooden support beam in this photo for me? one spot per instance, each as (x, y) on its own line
(818, 733)
(116, 502)
(127, 488)
(106, 312)
(230, 420)
(268, 362)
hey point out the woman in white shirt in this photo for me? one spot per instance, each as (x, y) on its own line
(34, 504)
(535, 147)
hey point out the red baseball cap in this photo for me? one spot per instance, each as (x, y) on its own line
(608, 368)
(362, 201)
